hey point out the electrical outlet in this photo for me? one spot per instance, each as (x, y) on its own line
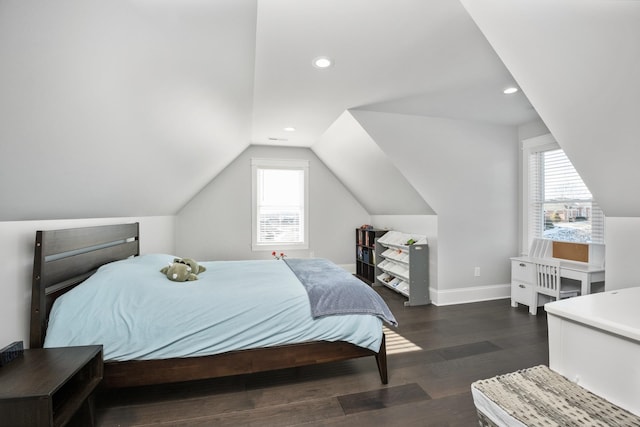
(476, 272)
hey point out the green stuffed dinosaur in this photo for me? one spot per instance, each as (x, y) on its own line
(179, 272)
(183, 270)
(195, 267)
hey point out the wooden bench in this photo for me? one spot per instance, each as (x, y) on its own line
(539, 396)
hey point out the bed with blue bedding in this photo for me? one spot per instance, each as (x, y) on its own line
(238, 317)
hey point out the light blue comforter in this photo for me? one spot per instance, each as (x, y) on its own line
(135, 312)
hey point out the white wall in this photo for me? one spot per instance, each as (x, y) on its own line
(17, 250)
(360, 164)
(532, 129)
(216, 223)
(622, 254)
(468, 173)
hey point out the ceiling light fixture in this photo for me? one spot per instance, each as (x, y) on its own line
(322, 62)
(289, 129)
(510, 90)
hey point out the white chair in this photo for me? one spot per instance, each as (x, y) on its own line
(549, 283)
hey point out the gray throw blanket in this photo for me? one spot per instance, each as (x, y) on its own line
(332, 290)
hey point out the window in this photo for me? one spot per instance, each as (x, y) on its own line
(559, 206)
(280, 204)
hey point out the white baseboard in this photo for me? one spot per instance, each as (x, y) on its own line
(459, 295)
(471, 294)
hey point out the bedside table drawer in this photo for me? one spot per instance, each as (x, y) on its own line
(523, 271)
(521, 293)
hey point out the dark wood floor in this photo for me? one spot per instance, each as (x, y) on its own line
(435, 355)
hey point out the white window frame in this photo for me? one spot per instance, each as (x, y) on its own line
(529, 146)
(292, 164)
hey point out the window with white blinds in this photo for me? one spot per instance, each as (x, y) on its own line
(280, 208)
(560, 206)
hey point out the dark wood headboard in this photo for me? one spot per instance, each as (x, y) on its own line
(65, 258)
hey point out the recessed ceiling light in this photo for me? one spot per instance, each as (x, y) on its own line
(322, 62)
(510, 90)
(289, 129)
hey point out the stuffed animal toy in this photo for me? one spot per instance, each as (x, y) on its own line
(179, 272)
(183, 270)
(195, 267)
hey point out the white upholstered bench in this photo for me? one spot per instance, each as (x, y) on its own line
(539, 396)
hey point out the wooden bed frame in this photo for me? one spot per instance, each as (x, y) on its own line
(65, 258)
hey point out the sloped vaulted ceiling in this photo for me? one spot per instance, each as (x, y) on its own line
(578, 61)
(367, 171)
(120, 107)
(130, 107)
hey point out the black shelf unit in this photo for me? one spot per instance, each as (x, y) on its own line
(366, 253)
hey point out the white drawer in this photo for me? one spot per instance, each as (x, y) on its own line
(522, 271)
(521, 293)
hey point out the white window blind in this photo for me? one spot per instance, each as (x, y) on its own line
(561, 206)
(280, 206)
(280, 209)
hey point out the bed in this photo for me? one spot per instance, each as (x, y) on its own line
(66, 259)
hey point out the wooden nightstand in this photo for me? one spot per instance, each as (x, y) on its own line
(48, 386)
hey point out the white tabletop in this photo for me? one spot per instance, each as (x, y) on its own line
(616, 311)
(564, 263)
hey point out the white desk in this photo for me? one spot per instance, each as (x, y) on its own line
(523, 278)
(585, 273)
(594, 340)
